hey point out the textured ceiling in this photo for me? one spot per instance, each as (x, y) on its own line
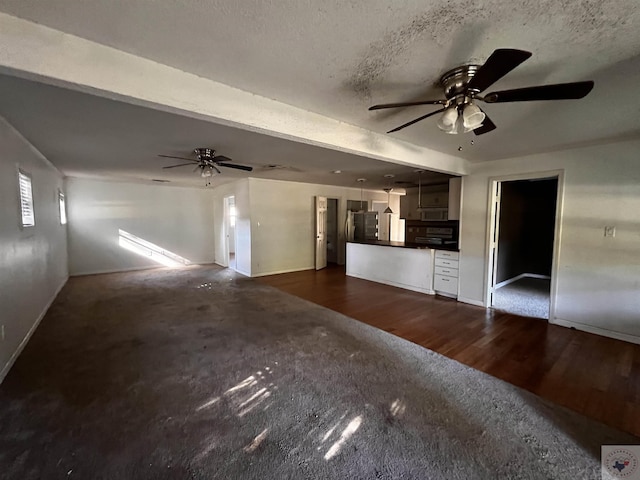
(86, 135)
(338, 57)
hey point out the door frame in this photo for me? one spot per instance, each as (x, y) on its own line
(492, 227)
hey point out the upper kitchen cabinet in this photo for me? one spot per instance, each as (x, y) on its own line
(409, 206)
(435, 199)
(438, 197)
(455, 194)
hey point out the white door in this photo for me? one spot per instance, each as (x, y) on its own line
(321, 232)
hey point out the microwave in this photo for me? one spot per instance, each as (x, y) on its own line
(434, 214)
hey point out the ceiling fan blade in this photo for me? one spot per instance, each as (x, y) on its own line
(221, 158)
(560, 91)
(407, 104)
(486, 127)
(233, 165)
(178, 158)
(181, 165)
(501, 62)
(416, 120)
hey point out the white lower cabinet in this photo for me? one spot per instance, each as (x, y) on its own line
(445, 273)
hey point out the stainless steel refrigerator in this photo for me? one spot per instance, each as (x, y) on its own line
(362, 226)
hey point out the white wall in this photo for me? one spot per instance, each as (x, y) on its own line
(598, 278)
(240, 190)
(283, 222)
(177, 219)
(33, 261)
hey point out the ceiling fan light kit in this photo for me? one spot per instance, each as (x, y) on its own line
(461, 119)
(207, 172)
(448, 120)
(462, 87)
(207, 162)
(472, 116)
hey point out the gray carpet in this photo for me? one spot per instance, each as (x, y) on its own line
(201, 373)
(528, 297)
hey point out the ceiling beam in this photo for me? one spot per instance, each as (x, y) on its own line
(39, 53)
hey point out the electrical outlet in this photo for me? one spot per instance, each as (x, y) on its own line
(609, 231)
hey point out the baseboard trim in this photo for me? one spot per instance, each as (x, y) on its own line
(221, 265)
(521, 276)
(394, 284)
(278, 272)
(470, 301)
(596, 330)
(115, 270)
(242, 272)
(27, 337)
(136, 269)
(448, 295)
(535, 275)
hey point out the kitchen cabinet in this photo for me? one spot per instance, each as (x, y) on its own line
(455, 192)
(409, 203)
(435, 199)
(445, 273)
(409, 206)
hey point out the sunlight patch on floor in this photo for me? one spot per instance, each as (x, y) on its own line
(344, 437)
(397, 407)
(331, 430)
(144, 248)
(247, 382)
(255, 443)
(208, 404)
(251, 392)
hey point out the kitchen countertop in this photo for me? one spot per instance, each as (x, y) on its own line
(387, 243)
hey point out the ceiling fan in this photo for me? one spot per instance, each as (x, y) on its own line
(463, 85)
(207, 162)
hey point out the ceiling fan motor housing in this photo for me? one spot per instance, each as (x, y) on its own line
(205, 153)
(455, 81)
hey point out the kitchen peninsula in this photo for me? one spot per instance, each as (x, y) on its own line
(412, 266)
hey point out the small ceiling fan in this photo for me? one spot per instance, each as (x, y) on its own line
(207, 162)
(463, 85)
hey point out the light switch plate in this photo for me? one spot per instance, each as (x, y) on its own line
(609, 231)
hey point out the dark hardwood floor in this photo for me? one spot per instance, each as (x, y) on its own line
(596, 376)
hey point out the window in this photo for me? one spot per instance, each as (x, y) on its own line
(26, 200)
(63, 208)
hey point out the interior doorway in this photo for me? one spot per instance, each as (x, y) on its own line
(230, 228)
(522, 247)
(332, 230)
(327, 239)
(321, 231)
